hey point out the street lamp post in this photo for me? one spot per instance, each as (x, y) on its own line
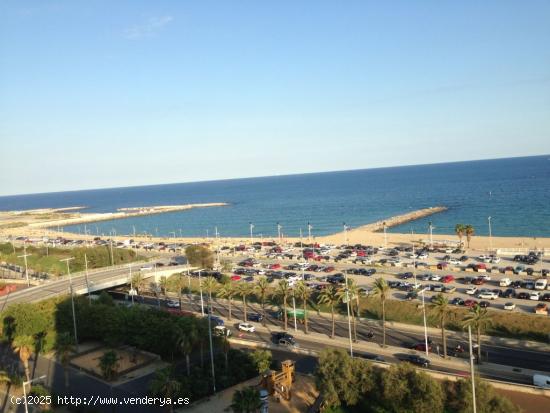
(490, 234)
(72, 300)
(200, 288)
(472, 370)
(301, 239)
(309, 227)
(24, 256)
(211, 347)
(345, 233)
(385, 235)
(349, 317)
(29, 382)
(87, 282)
(430, 226)
(425, 324)
(251, 232)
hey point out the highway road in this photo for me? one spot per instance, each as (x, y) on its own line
(519, 358)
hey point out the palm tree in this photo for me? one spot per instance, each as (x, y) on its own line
(178, 285)
(246, 400)
(244, 290)
(165, 385)
(108, 363)
(477, 318)
(353, 293)
(163, 284)
(210, 284)
(186, 342)
(303, 292)
(63, 348)
(228, 291)
(330, 297)
(261, 288)
(459, 230)
(283, 290)
(138, 282)
(440, 306)
(382, 290)
(469, 230)
(23, 345)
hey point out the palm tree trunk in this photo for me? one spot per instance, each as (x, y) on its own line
(333, 321)
(383, 324)
(444, 338)
(188, 364)
(179, 297)
(244, 307)
(479, 345)
(353, 318)
(305, 317)
(27, 371)
(230, 302)
(263, 312)
(284, 313)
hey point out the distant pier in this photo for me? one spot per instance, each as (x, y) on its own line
(394, 221)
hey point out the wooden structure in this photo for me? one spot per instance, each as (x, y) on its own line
(279, 383)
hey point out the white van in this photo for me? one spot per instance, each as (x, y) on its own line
(540, 380)
(541, 284)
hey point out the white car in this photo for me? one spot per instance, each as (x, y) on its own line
(534, 296)
(509, 306)
(495, 260)
(484, 277)
(471, 290)
(487, 295)
(541, 284)
(247, 327)
(436, 277)
(172, 304)
(505, 282)
(422, 256)
(453, 261)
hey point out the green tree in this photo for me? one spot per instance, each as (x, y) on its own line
(163, 284)
(226, 265)
(330, 297)
(23, 346)
(459, 230)
(459, 398)
(352, 292)
(469, 231)
(303, 292)
(64, 348)
(200, 256)
(262, 287)
(441, 308)
(210, 284)
(186, 341)
(341, 379)
(478, 319)
(138, 282)
(262, 359)
(246, 400)
(177, 286)
(244, 289)
(382, 290)
(282, 291)
(165, 385)
(108, 364)
(404, 389)
(228, 291)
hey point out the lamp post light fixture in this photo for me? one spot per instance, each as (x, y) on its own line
(72, 300)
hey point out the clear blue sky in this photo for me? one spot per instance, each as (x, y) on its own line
(113, 93)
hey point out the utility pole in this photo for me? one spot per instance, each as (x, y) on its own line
(24, 256)
(72, 299)
(472, 370)
(111, 245)
(211, 347)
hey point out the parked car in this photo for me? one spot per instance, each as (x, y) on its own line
(541, 308)
(487, 295)
(523, 296)
(457, 301)
(535, 296)
(470, 303)
(255, 317)
(484, 304)
(221, 331)
(173, 304)
(447, 279)
(471, 290)
(509, 306)
(284, 339)
(421, 346)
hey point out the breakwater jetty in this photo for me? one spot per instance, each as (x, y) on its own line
(396, 220)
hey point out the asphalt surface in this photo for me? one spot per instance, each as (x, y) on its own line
(524, 359)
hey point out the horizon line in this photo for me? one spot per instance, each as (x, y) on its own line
(270, 176)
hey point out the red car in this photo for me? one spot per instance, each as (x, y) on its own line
(478, 281)
(421, 347)
(235, 277)
(329, 269)
(481, 267)
(447, 279)
(275, 266)
(470, 303)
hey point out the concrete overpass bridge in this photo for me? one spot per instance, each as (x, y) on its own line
(98, 279)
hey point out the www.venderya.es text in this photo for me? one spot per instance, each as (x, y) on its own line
(99, 401)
